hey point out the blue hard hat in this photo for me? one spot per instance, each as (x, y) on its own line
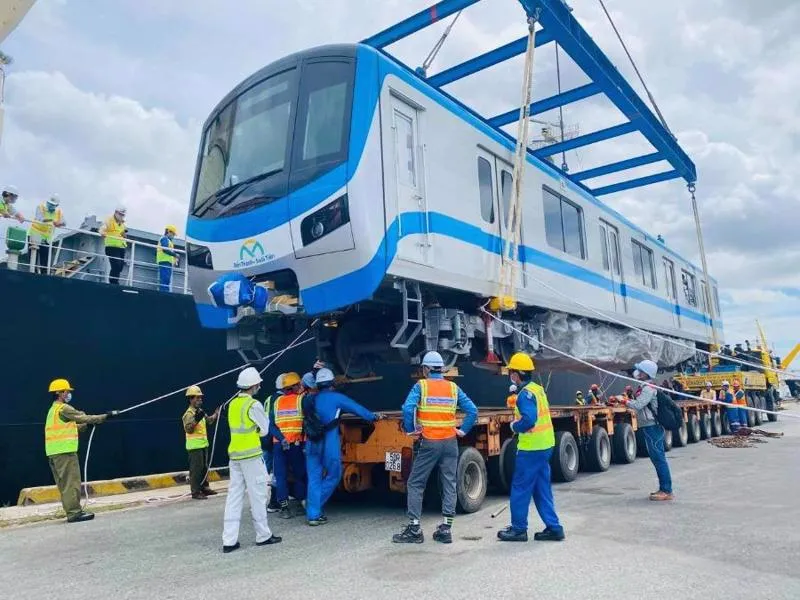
(309, 381)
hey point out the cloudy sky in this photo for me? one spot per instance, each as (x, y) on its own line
(105, 102)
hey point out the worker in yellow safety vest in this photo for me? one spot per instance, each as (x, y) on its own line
(195, 422)
(8, 199)
(48, 217)
(114, 234)
(248, 473)
(61, 446)
(535, 441)
(166, 258)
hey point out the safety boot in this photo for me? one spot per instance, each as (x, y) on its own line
(80, 517)
(285, 511)
(411, 534)
(509, 534)
(318, 521)
(208, 491)
(443, 534)
(549, 535)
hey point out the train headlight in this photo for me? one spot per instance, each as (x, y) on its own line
(329, 218)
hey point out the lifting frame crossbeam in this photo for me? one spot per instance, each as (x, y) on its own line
(560, 26)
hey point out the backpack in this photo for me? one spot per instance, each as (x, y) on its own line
(669, 415)
(313, 427)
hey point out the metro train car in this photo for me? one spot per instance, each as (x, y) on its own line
(338, 177)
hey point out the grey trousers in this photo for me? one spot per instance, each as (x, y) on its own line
(431, 453)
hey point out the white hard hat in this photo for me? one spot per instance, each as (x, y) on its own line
(54, 200)
(121, 210)
(708, 384)
(10, 189)
(324, 376)
(648, 367)
(433, 359)
(248, 378)
(726, 382)
(279, 382)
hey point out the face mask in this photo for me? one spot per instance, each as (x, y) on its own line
(636, 374)
(68, 397)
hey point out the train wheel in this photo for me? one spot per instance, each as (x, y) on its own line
(668, 439)
(693, 429)
(471, 480)
(706, 430)
(680, 437)
(565, 462)
(624, 446)
(598, 452)
(716, 423)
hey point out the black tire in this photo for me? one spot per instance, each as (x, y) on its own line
(641, 445)
(598, 451)
(726, 424)
(471, 480)
(669, 438)
(680, 436)
(693, 429)
(506, 462)
(706, 430)
(770, 405)
(751, 415)
(565, 461)
(624, 447)
(762, 404)
(716, 423)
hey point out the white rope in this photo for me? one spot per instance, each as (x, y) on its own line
(602, 370)
(613, 319)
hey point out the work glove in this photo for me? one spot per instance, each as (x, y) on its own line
(199, 413)
(111, 413)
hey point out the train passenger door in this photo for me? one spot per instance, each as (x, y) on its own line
(413, 225)
(672, 290)
(612, 264)
(505, 182)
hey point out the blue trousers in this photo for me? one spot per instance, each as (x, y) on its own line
(532, 478)
(164, 277)
(292, 460)
(736, 417)
(654, 440)
(324, 466)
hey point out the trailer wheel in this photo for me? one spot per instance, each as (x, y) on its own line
(669, 438)
(762, 402)
(770, 405)
(598, 452)
(506, 462)
(641, 445)
(693, 429)
(680, 436)
(716, 423)
(706, 430)
(564, 462)
(726, 424)
(471, 479)
(751, 415)
(624, 447)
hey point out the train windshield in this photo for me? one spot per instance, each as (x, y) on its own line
(277, 135)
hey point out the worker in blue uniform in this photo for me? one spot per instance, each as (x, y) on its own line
(535, 441)
(323, 451)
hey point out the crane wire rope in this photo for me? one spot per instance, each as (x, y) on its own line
(426, 64)
(625, 377)
(275, 357)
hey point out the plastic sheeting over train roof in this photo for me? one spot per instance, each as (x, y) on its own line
(558, 25)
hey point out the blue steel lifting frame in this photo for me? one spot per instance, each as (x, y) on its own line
(558, 25)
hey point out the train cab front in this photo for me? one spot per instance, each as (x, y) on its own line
(271, 200)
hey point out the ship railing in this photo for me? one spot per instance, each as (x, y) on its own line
(60, 234)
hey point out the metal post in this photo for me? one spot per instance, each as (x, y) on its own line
(49, 256)
(131, 263)
(709, 294)
(186, 273)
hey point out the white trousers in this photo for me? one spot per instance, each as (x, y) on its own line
(246, 475)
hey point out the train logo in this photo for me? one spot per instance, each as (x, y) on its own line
(252, 254)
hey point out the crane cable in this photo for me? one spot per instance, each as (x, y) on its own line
(426, 64)
(508, 263)
(635, 68)
(625, 377)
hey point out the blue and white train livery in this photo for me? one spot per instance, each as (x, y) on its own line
(378, 201)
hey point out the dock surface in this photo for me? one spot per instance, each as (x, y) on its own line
(731, 533)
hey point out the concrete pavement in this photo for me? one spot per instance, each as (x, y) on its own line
(733, 532)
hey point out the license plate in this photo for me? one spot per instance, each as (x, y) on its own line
(393, 461)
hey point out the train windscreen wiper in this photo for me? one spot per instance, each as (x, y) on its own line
(229, 194)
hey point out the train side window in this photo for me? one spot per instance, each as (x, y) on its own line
(604, 247)
(643, 264)
(689, 288)
(563, 224)
(486, 188)
(716, 301)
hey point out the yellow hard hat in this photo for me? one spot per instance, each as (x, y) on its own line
(290, 379)
(171, 229)
(60, 385)
(193, 390)
(521, 362)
